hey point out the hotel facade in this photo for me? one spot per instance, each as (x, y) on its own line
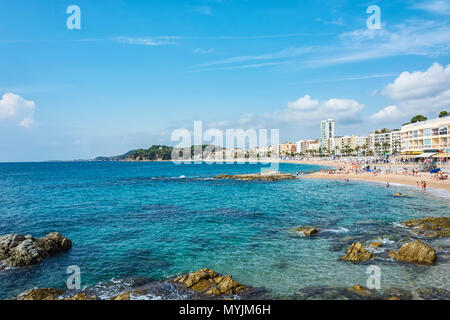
(425, 139)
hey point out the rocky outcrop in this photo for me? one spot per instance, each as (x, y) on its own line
(363, 291)
(265, 176)
(41, 294)
(415, 252)
(122, 296)
(430, 227)
(17, 250)
(211, 283)
(357, 253)
(307, 231)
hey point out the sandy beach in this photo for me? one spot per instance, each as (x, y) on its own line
(393, 177)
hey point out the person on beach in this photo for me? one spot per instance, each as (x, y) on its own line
(387, 184)
(297, 173)
(424, 186)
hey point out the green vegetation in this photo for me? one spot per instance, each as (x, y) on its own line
(158, 153)
(419, 118)
(443, 114)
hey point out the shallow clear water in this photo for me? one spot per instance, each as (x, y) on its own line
(160, 219)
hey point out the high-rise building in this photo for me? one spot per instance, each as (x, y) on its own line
(327, 133)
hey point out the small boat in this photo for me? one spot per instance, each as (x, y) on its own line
(400, 195)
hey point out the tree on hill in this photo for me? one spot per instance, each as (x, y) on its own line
(419, 118)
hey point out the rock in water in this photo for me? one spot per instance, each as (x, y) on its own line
(41, 294)
(209, 282)
(357, 253)
(430, 227)
(265, 176)
(307, 231)
(17, 250)
(415, 252)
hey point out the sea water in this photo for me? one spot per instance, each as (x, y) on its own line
(158, 219)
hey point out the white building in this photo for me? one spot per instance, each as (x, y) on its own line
(427, 137)
(327, 131)
(382, 141)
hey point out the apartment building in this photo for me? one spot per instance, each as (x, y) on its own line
(384, 141)
(426, 138)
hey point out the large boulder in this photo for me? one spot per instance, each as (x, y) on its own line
(357, 253)
(211, 283)
(430, 227)
(415, 252)
(17, 250)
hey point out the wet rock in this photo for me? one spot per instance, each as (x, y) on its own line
(17, 250)
(363, 291)
(307, 231)
(209, 282)
(430, 227)
(434, 294)
(122, 296)
(41, 294)
(357, 253)
(376, 245)
(81, 296)
(265, 176)
(396, 294)
(415, 252)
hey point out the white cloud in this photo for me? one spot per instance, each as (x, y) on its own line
(388, 114)
(203, 51)
(308, 112)
(424, 92)
(148, 41)
(15, 109)
(420, 84)
(434, 6)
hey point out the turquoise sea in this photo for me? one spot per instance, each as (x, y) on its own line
(157, 220)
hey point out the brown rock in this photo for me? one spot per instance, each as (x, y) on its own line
(122, 296)
(265, 176)
(415, 252)
(209, 282)
(394, 298)
(41, 294)
(430, 227)
(307, 231)
(81, 296)
(376, 245)
(357, 253)
(17, 250)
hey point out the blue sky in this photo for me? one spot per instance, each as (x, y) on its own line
(137, 70)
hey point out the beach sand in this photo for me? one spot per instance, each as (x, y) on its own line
(393, 177)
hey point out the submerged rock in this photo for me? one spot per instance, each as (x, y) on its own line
(307, 231)
(265, 176)
(122, 296)
(363, 291)
(211, 283)
(415, 252)
(430, 227)
(376, 244)
(357, 253)
(17, 250)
